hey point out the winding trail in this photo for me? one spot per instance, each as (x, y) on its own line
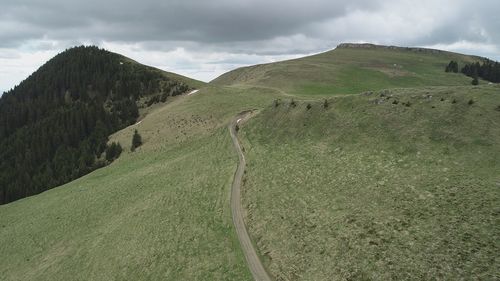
(255, 265)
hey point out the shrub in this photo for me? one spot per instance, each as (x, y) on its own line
(454, 101)
(395, 102)
(308, 106)
(136, 141)
(236, 128)
(498, 108)
(452, 67)
(276, 103)
(325, 104)
(113, 151)
(471, 102)
(292, 103)
(475, 81)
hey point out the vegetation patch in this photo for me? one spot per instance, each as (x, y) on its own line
(376, 191)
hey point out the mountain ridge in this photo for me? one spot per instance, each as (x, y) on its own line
(352, 68)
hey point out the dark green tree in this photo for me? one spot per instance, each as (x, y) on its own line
(452, 67)
(113, 151)
(136, 140)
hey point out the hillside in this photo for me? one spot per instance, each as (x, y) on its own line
(351, 69)
(159, 213)
(390, 184)
(54, 125)
(393, 185)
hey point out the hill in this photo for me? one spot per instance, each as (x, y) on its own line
(351, 69)
(367, 188)
(159, 213)
(392, 185)
(56, 123)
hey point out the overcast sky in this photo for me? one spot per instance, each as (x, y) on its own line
(205, 38)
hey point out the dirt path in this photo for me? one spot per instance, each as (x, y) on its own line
(253, 261)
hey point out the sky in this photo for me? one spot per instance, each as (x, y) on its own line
(205, 38)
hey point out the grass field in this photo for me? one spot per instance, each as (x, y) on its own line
(160, 213)
(351, 71)
(370, 190)
(365, 189)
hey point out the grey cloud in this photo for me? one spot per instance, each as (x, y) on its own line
(200, 21)
(239, 31)
(239, 26)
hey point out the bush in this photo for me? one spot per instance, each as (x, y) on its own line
(475, 82)
(308, 106)
(452, 67)
(136, 141)
(325, 104)
(276, 103)
(113, 151)
(471, 102)
(395, 102)
(292, 103)
(498, 108)
(236, 128)
(454, 101)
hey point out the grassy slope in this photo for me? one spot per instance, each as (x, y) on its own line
(378, 191)
(351, 71)
(193, 83)
(161, 213)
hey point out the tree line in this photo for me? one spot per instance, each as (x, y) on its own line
(487, 70)
(54, 126)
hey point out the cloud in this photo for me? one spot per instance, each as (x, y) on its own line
(206, 38)
(186, 20)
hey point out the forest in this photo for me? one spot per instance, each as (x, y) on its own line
(54, 126)
(487, 70)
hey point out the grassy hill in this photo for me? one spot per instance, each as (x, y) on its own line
(367, 189)
(159, 213)
(351, 69)
(363, 189)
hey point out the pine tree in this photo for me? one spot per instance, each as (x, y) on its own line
(136, 140)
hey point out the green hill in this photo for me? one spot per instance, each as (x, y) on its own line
(351, 69)
(161, 212)
(367, 188)
(54, 125)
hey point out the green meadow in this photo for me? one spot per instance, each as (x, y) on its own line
(364, 189)
(351, 71)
